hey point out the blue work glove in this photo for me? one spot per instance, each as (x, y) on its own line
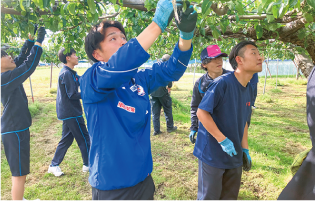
(41, 34)
(228, 147)
(247, 161)
(164, 12)
(192, 136)
(188, 20)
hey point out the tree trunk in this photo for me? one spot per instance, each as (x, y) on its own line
(304, 63)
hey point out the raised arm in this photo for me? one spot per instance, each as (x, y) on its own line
(26, 49)
(13, 78)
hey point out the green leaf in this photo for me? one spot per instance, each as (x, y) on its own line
(113, 1)
(273, 26)
(205, 7)
(260, 9)
(237, 17)
(267, 3)
(92, 6)
(275, 11)
(301, 35)
(282, 10)
(259, 31)
(21, 5)
(203, 31)
(223, 27)
(239, 8)
(27, 3)
(65, 9)
(71, 8)
(46, 3)
(311, 3)
(215, 32)
(292, 3)
(309, 18)
(33, 18)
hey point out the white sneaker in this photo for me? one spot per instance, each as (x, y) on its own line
(85, 168)
(55, 170)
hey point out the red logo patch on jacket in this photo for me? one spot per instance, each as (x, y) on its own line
(126, 107)
(141, 91)
(248, 104)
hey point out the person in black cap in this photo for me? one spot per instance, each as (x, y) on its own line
(16, 118)
(212, 62)
(223, 113)
(69, 110)
(161, 98)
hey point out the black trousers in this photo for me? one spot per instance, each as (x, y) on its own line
(142, 191)
(218, 184)
(73, 128)
(156, 104)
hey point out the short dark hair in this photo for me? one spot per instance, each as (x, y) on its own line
(94, 37)
(238, 50)
(3, 53)
(205, 62)
(62, 56)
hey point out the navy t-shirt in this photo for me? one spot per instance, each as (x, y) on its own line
(254, 79)
(229, 104)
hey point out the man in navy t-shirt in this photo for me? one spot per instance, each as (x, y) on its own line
(223, 115)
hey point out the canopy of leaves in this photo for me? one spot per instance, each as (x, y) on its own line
(276, 25)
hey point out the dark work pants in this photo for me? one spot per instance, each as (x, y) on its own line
(73, 128)
(218, 184)
(142, 191)
(156, 104)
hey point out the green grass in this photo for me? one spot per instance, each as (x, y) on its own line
(277, 133)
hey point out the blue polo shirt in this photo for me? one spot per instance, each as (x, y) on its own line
(229, 104)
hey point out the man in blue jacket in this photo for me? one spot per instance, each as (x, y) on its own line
(16, 118)
(116, 102)
(223, 114)
(69, 110)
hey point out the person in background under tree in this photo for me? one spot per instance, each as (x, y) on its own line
(161, 98)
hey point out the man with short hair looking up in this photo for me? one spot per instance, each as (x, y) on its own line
(223, 114)
(116, 102)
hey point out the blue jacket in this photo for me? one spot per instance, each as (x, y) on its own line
(68, 96)
(16, 116)
(117, 107)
